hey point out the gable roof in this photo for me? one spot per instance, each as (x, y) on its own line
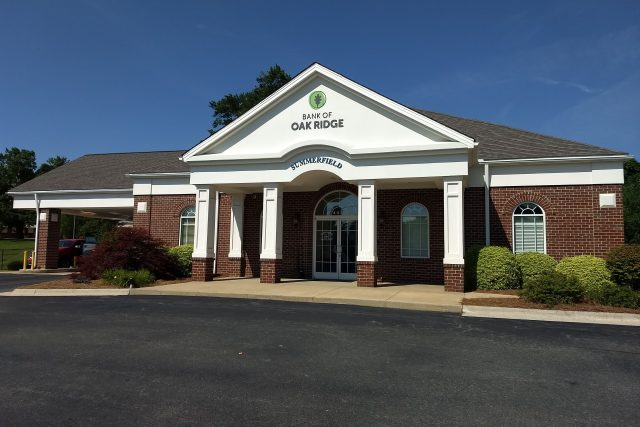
(105, 171)
(498, 142)
(318, 70)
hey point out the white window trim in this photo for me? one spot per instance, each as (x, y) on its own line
(182, 216)
(428, 232)
(513, 225)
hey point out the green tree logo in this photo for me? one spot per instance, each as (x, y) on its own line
(317, 99)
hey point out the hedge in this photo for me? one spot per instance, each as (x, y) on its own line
(183, 255)
(590, 271)
(552, 288)
(624, 264)
(534, 264)
(497, 269)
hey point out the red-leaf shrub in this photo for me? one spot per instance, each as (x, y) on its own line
(130, 249)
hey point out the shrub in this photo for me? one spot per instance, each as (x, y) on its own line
(14, 265)
(183, 255)
(471, 268)
(497, 269)
(552, 288)
(624, 264)
(130, 249)
(125, 278)
(534, 264)
(618, 296)
(591, 272)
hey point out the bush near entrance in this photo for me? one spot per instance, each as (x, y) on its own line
(590, 271)
(624, 264)
(183, 255)
(533, 265)
(497, 269)
(125, 278)
(130, 249)
(552, 288)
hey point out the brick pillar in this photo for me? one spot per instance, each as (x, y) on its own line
(367, 276)
(454, 277)
(48, 237)
(270, 270)
(202, 269)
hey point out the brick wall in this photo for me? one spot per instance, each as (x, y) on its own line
(162, 219)
(575, 223)
(474, 217)
(391, 266)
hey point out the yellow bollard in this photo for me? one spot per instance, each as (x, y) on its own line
(24, 260)
(75, 261)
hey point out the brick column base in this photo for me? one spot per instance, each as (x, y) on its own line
(454, 277)
(48, 237)
(202, 269)
(367, 276)
(270, 270)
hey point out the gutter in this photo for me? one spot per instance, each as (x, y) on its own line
(97, 190)
(616, 157)
(487, 206)
(34, 258)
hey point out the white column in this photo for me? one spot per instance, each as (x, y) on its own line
(367, 222)
(453, 220)
(235, 226)
(206, 206)
(271, 222)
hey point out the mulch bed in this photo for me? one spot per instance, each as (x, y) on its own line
(94, 284)
(502, 292)
(520, 303)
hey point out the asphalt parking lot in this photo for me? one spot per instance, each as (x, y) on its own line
(186, 360)
(10, 281)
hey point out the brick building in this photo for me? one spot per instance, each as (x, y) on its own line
(326, 179)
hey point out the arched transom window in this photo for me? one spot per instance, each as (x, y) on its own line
(528, 228)
(187, 225)
(415, 231)
(338, 203)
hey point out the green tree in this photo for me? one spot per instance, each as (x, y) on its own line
(233, 105)
(16, 166)
(631, 191)
(51, 164)
(85, 227)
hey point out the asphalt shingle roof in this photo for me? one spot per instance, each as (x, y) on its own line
(495, 142)
(105, 171)
(498, 142)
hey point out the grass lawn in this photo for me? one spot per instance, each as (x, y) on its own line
(12, 249)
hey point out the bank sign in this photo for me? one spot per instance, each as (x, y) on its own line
(320, 119)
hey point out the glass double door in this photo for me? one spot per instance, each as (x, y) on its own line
(336, 247)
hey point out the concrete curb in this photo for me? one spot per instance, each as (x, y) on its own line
(65, 292)
(623, 319)
(309, 299)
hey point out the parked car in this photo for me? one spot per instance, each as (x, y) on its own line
(67, 250)
(89, 245)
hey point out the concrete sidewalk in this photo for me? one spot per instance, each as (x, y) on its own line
(410, 297)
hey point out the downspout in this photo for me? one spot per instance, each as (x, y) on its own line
(34, 258)
(487, 205)
(215, 231)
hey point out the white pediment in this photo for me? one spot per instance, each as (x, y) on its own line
(347, 117)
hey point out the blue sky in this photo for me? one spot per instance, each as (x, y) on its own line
(94, 76)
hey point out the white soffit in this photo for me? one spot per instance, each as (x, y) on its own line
(352, 118)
